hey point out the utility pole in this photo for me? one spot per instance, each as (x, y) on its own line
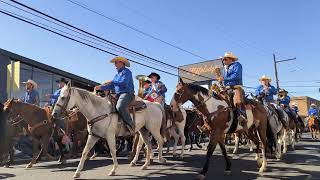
(276, 68)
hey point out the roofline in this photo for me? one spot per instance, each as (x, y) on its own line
(46, 67)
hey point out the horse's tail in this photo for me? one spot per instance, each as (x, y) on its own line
(163, 130)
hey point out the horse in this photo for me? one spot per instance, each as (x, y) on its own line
(276, 130)
(40, 127)
(314, 127)
(103, 122)
(177, 122)
(194, 120)
(220, 119)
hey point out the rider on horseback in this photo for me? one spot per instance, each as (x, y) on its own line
(284, 101)
(313, 111)
(124, 88)
(266, 89)
(31, 95)
(232, 80)
(154, 89)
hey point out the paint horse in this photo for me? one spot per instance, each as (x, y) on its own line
(220, 119)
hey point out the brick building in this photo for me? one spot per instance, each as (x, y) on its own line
(304, 103)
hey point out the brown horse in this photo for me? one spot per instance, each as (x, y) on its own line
(313, 125)
(40, 127)
(220, 119)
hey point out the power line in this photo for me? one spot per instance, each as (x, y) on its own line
(83, 43)
(133, 28)
(103, 39)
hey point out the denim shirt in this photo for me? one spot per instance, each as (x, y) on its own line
(312, 112)
(54, 97)
(155, 87)
(233, 74)
(269, 94)
(31, 97)
(121, 83)
(285, 101)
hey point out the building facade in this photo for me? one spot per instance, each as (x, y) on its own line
(304, 103)
(16, 69)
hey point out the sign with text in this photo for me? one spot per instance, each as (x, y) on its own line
(200, 72)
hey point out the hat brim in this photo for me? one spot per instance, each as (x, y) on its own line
(262, 79)
(125, 62)
(34, 84)
(232, 58)
(154, 74)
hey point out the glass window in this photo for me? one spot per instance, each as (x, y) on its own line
(44, 81)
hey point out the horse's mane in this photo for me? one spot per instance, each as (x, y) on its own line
(88, 96)
(198, 89)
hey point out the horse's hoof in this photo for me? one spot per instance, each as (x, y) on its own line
(132, 164)
(201, 177)
(76, 175)
(234, 152)
(112, 173)
(144, 167)
(163, 161)
(28, 166)
(227, 172)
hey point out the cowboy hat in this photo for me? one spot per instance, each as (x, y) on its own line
(62, 80)
(264, 77)
(124, 60)
(147, 80)
(154, 74)
(313, 105)
(230, 55)
(34, 84)
(283, 91)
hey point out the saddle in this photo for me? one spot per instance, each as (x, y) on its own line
(137, 104)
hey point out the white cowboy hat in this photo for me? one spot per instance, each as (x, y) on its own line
(34, 84)
(230, 55)
(121, 59)
(264, 77)
(313, 104)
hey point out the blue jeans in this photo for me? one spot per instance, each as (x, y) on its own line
(122, 107)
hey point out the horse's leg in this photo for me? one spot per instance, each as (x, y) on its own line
(35, 152)
(113, 151)
(253, 137)
(183, 138)
(134, 146)
(91, 141)
(191, 141)
(236, 142)
(137, 151)
(62, 159)
(263, 138)
(146, 139)
(214, 139)
(159, 139)
(224, 152)
(176, 139)
(198, 140)
(285, 141)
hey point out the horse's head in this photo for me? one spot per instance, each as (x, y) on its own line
(181, 95)
(12, 109)
(64, 102)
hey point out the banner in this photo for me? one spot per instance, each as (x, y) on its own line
(13, 78)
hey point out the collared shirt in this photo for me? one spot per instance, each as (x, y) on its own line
(285, 101)
(31, 97)
(157, 87)
(269, 92)
(54, 97)
(121, 83)
(312, 112)
(233, 74)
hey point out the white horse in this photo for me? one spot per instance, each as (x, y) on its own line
(105, 124)
(178, 126)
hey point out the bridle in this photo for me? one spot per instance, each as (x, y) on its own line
(63, 106)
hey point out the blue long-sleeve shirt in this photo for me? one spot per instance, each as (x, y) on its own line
(271, 91)
(121, 83)
(312, 112)
(159, 87)
(285, 101)
(54, 97)
(233, 74)
(31, 97)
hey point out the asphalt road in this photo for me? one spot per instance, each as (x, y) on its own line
(303, 163)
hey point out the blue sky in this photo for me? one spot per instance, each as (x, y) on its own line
(251, 29)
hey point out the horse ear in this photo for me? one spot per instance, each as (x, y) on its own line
(69, 84)
(181, 81)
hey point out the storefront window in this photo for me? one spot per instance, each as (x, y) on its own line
(44, 81)
(25, 74)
